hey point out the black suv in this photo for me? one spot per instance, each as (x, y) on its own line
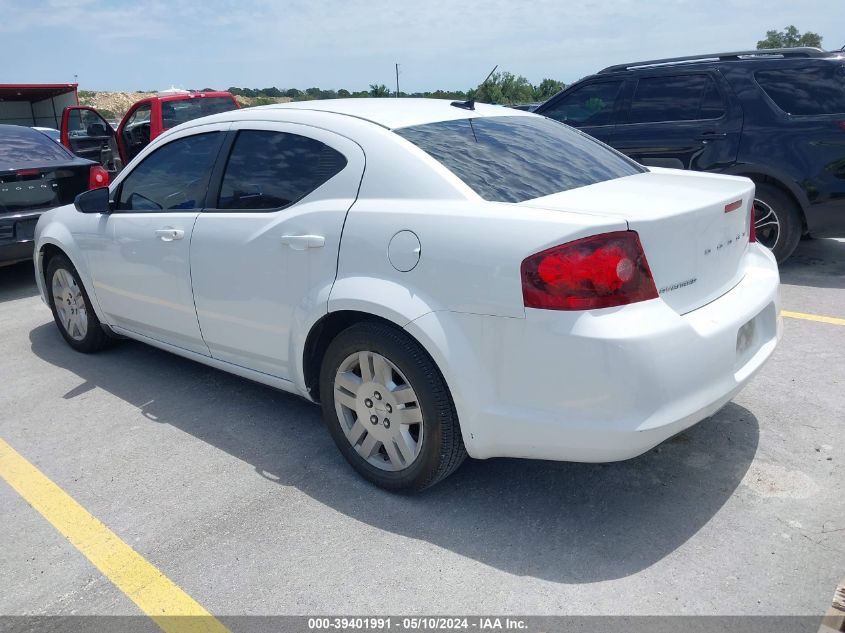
(776, 116)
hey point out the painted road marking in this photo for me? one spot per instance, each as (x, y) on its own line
(812, 317)
(154, 593)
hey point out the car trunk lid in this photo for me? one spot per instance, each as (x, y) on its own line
(35, 188)
(694, 227)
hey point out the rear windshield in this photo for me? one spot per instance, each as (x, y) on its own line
(512, 159)
(183, 110)
(21, 145)
(808, 90)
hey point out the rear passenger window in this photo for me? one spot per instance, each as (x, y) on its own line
(818, 89)
(272, 170)
(174, 177)
(712, 104)
(590, 105)
(676, 98)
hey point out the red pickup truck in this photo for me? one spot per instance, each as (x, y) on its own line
(86, 133)
(143, 122)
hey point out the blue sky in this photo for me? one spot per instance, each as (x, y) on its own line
(451, 44)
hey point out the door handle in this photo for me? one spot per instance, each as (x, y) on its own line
(168, 235)
(711, 136)
(302, 242)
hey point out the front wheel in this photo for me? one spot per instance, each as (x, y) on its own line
(388, 408)
(777, 221)
(71, 307)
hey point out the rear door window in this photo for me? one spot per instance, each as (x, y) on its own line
(512, 159)
(589, 105)
(712, 103)
(675, 98)
(807, 90)
(270, 170)
(174, 177)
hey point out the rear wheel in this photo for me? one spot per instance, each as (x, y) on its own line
(777, 221)
(71, 307)
(388, 408)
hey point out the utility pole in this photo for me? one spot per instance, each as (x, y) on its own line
(397, 81)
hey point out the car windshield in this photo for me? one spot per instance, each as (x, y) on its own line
(180, 111)
(517, 158)
(22, 145)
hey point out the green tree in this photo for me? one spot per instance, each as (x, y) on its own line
(379, 90)
(790, 37)
(505, 87)
(547, 88)
(343, 93)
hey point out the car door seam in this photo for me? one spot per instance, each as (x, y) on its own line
(191, 281)
(343, 227)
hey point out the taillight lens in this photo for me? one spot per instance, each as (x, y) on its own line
(97, 177)
(752, 230)
(601, 271)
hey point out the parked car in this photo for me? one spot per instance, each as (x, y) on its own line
(775, 116)
(36, 174)
(486, 282)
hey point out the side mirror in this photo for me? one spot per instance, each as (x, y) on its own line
(93, 201)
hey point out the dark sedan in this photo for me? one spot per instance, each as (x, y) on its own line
(36, 174)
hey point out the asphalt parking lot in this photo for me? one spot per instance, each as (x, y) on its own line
(237, 494)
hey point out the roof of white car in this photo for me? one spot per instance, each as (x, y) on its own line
(397, 113)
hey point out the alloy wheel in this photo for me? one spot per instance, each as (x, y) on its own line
(70, 304)
(766, 224)
(378, 410)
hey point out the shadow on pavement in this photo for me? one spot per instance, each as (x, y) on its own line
(564, 522)
(819, 263)
(17, 281)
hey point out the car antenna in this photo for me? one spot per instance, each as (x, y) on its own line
(469, 104)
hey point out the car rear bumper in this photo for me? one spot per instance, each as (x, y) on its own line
(602, 385)
(16, 236)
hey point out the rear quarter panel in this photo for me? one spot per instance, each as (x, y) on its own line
(470, 255)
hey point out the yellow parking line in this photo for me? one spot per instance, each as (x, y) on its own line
(154, 593)
(812, 317)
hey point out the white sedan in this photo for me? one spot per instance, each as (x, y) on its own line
(443, 278)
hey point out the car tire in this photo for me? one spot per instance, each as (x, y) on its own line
(372, 372)
(777, 219)
(71, 307)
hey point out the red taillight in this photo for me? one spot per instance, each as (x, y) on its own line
(752, 230)
(601, 271)
(27, 173)
(97, 177)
